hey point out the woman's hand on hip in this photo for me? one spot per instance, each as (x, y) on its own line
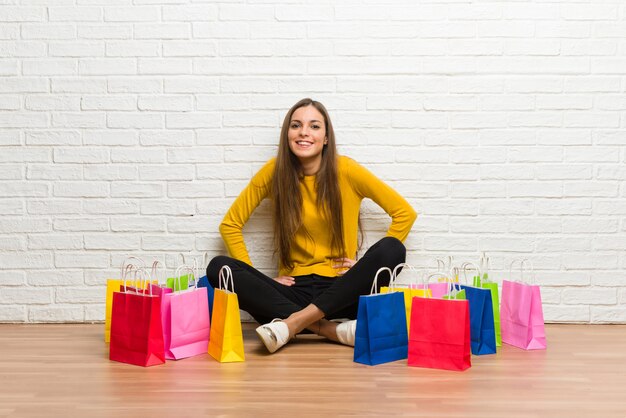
(285, 280)
(343, 264)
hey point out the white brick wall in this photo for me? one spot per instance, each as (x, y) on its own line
(128, 127)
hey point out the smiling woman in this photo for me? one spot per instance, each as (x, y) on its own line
(316, 197)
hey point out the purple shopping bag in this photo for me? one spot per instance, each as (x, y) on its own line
(521, 314)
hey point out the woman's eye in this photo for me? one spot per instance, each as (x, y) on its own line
(315, 126)
(294, 125)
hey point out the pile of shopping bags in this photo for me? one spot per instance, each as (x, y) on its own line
(437, 322)
(151, 319)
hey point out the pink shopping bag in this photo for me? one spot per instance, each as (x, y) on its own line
(521, 314)
(186, 321)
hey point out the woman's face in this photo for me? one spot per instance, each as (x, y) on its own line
(307, 134)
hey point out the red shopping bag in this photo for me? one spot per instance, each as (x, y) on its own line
(136, 333)
(521, 314)
(440, 334)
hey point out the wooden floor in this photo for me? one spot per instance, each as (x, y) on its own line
(64, 371)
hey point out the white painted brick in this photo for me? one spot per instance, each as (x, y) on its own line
(131, 14)
(132, 49)
(26, 260)
(478, 120)
(54, 31)
(535, 154)
(212, 103)
(248, 119)
(138, 224)
(609, 29)
(590, 225)
(563, 102)
(9, 67)
(135, 120)
(450, 243)
(54, 172)
(506, 172)
(609, 207)
(612, 172)
(469, 84)
(107, 66)
(532, 47)
(12, 243)
(474, 11)
(75, 14)
(245, 12)
(559, 278)
(162, 66)
(536, 119)
(170, 207)
(80, 189)
(592, 84)
(591, 120)
(22, 49)
(535, 225)
(189, 49)
(58, 102)
(81, 155)
(588, 47)
(137, 155)
(54, 242)
(478, 155)
(474, 190)
(108, 103)
(78, 120)
(562, 29)
(445, 29)
(136, 190)
(551, 295)
(111, 241)
(11, 206)
(81, 260)
(56, 314)
(562, 244)
(585, 189)
(564, 137)
(508, 29)
(107, 31)
(440, 172)
(22, 14)
(162, 31)
(195, 224)
(243, 30)
(506, 102)
(190, 13)
(449, 138)
(193, 84)
(91, 294)
(81, 224)
(563, 207)
(507, 243)
(419, 119)
(485, 225)
(560, 313)
(164, 103)
(11, 172)
(26, 295)
(10, 138)
(78, 85)
(55, 207)
(507, 137)
(535, 189)
(587, 261)
(609, 243)
(590, 12)
(608, 314)
(195, 155)
(23, 189)
(94, 313)
(134, 85)
(210, 189)
(75, 49)
(168, 243)
(166, 138)
(510, 207)
(110, 172)
(110, 137)
(168, 172)
(534, 84)
(16, 313)
(589, 295)
(193, 120)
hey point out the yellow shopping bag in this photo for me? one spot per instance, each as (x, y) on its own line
(409, 291)
(114, 285)
(226, 338)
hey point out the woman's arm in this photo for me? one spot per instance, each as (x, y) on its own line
(241, 210)
(368, 185)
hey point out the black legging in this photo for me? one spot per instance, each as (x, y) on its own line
(338, 297)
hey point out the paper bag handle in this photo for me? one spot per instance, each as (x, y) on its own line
(521, 269)
(224, 277)
(467, 264)
(373, 290)
(132, 257)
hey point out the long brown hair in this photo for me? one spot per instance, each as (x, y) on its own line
(286, 196)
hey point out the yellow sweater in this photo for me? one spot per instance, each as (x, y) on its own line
(311, 256)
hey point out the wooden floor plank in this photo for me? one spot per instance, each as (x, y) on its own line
(63, 370)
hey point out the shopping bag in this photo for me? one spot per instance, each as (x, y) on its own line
(521, 314)
(409, 291)
(440, 334)
(186, 321)
(381, 334)
(136, 332)
(226, 338)
(485, 283)
(114, 285)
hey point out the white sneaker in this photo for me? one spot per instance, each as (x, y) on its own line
(346, 332)
(274, 335)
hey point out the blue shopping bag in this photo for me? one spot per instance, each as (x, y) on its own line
(204, 282)
(482, 331)
(381, 334)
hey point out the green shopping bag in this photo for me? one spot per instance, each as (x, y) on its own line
(484, 282)
(179, 283)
